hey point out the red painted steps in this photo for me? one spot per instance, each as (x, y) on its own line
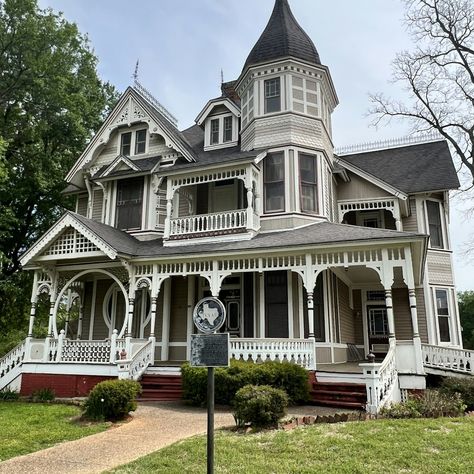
(161, 387)
(337, 394)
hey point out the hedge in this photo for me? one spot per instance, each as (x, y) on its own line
(288, 377)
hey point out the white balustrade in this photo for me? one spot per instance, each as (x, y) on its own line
(298, 351)
(445, 358)
(10, 364)
(136, 366)
(381, 380)
(205, 223)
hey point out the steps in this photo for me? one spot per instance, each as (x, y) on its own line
(337, 394)
(161, 387)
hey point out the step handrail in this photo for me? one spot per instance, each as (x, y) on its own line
(10, 364)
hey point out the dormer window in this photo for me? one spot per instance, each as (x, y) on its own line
(135, 141)
(214, 131)
(228, 129)
(272, 95)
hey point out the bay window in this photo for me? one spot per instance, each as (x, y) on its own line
(442, 311)
(434, 224)
(274, 182)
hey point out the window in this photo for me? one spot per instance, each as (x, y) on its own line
(214, 132)
(434, 224)
(227, 129)
(125, 143)
(272, 95)
(308, 188)
(135, 141)
(129, 204)
(378, 322)
(442, 310)
(274, 182)
(140, 141)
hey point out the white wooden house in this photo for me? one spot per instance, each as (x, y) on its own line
(320, 256)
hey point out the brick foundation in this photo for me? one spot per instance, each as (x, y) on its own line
(63, 385)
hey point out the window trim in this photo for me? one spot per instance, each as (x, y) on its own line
(116, 205)
(315, 184)
(265, 182)
(133, 140)
(449, 316)
(220, 118)
(442, 225)
(280, 95)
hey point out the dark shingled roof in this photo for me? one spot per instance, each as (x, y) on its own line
(321, 233)
(143, 164)
(411, 169)
(283, 37)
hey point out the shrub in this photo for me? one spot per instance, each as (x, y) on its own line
(431, 404)
(291, 378)
(463, 386)
(43, 395)
(7, 394)
(112, 400)
(259, 405)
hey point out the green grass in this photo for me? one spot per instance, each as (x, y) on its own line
(381, 446)
(28, 427)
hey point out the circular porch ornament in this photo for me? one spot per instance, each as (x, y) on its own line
(209, 315)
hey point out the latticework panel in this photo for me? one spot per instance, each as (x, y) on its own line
(71, 242)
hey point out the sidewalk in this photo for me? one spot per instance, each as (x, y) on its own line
(154, 426)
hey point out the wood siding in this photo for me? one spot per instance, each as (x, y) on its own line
(82, 205)
(422, 318)
(97, 204)
(439, 268)
(359, 188)
(358, 315)
(179, 306)
(346, 316)
(410, 223)
(402, 315)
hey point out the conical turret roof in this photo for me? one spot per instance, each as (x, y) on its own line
(282, 37)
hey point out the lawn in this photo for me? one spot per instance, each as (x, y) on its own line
(28, 427)
(381, 446)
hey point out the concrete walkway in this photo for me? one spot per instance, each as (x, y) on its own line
(154, 426)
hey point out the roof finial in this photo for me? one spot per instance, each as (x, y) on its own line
(222, 76)
(135, 74)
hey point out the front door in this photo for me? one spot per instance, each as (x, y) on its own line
(378, 330)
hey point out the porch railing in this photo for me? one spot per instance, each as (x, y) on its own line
(10, 364)
(135, 367)
(298, 351)
(445, 358)
(205, 223)
(381, 380)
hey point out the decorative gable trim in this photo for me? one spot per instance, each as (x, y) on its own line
(372, 179)
(132, 108)
(121, 159)
(214, 103)
(67, 221)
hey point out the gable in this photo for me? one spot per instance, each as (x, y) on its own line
(68, 239)
(217, 106)
(359, 188)
(132, 109)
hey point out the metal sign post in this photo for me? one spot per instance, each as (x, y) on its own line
(210, 350)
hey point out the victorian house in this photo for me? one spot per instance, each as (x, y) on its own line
(320, 256)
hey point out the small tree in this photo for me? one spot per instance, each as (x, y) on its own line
(466, 314)
(438, 75)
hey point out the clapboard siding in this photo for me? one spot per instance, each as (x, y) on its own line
(401, 311)
(358, 315)
(345, 314)
(422, 317)
(97, 205)
(410, 223)
(82, 205)
(179, 298)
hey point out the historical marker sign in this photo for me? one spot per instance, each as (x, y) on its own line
(210, 350)
(209, 315)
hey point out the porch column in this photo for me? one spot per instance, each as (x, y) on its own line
(310, 315)
(165, 332)
(128, 333)
(261, 312)
(32, 317)
(169, 208)
(248, 186)
(81, 317)
(390, 316)
(416, 334)
(154, 300)
(189, 325)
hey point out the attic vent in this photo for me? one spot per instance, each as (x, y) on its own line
(384, 144)
(162, 109)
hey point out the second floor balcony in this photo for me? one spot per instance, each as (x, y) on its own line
(223, 203)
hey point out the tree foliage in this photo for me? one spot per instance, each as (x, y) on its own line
(438, 75)
(466, 314)
(51, 101)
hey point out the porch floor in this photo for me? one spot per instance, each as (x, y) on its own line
(346, 367)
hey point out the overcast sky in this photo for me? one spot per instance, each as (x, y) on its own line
(182, 45)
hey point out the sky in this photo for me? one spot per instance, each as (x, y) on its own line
(182, 46)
